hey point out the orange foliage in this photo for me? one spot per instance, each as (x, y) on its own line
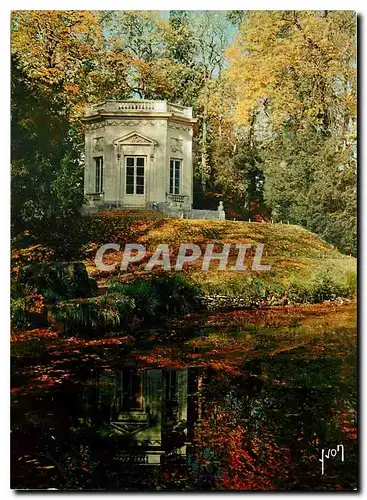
(247, 460)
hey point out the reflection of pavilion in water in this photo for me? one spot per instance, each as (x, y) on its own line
(152, 410)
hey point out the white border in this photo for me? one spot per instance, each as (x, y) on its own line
(5, 180)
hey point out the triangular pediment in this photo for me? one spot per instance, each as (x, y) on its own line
(135, 138)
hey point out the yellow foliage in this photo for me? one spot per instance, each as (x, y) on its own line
(297, 62)
(52, 46)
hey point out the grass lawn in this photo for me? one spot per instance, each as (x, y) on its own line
(299, 259)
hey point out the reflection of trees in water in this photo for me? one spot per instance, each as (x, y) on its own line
(272, 420)
(204, 428)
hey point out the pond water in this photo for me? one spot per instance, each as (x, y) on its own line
(222, 403)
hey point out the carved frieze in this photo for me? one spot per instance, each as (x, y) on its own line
(175, 126)
(176, 145)
(134, 123)
(98, 144)
(137, 139)
(94, 126)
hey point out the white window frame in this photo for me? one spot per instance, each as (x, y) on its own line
(174, 175)
(98, 182)
(135, 167)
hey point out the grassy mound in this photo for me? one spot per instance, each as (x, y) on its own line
(304, 268)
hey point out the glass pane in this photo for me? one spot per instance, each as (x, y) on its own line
(130, 161)
(140, 171)
(140, 162)
(171, 175)
(130, 171)
(130, 182)
(171, 386)
(139, 189)
(101, 174)
(140, 181)
(97, 177)
(131, 390)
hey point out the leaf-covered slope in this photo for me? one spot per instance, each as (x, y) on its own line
(300, 261)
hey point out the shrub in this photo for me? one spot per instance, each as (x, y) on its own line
(28, 312)
(20, 315)
(95, 315)
(160, 296)
(250, 289)
(178, 296)
(323, 286)
(55, 280)
(147, 300)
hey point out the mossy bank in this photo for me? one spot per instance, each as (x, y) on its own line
(303, 269)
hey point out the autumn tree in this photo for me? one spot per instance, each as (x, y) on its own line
(52, 54)
(179, 59)
(294, 74)
(234, 154)
(57, 50)
(158, 57)
(182, 51)
(212, 38)
(136, 35)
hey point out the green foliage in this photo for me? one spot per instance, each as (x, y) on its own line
(161, 296)
(45, 152)
(55, 280)
(114, 310)
(67, 187)
(240, 176)
(311, 180)
(323, 286)
(21, 317)
(299, 105)
(176, 294)
(146, 301)
(93, 316)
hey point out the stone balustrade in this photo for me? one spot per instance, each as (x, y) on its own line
(138, 106)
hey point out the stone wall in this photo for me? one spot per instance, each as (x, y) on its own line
(202, 214)
(174, 212)
(223, 302)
